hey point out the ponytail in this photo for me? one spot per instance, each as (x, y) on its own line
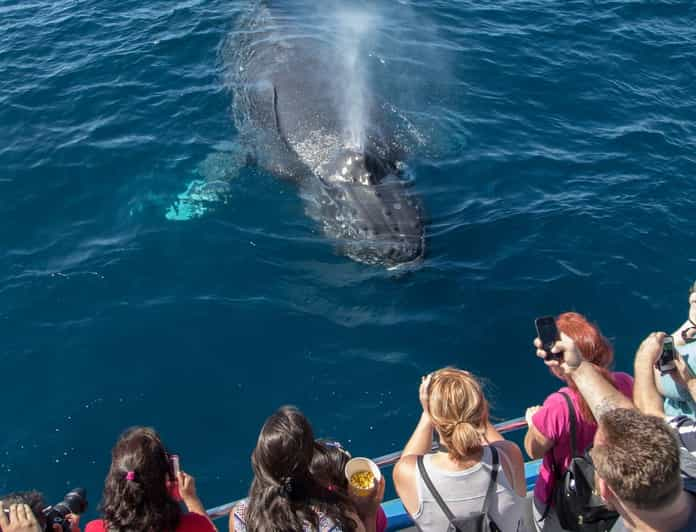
(459, 411)
(465, 440)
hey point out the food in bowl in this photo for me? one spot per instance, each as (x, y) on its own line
(363, 480)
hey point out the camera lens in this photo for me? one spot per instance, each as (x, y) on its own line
(76, 501)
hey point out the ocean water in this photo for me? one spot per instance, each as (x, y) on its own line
(553, 154)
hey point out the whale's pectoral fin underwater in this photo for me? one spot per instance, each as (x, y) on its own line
(212, 186)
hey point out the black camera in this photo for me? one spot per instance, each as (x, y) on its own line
(74, 502)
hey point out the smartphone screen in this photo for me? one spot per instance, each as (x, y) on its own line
(666, 360)
(548, 334)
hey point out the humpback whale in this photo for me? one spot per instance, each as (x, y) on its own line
(302, 99)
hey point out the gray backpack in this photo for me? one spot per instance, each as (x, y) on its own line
(480, 522)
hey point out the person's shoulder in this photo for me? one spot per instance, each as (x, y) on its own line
(242, 504)
(551, 420)
(96, 525)
(406, 466)
(556, 401)
(556, 398)
(192, 522)
(239, 512)
(619, 526)
(690, 525)
(509, 448)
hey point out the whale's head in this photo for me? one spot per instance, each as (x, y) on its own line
(363, 204)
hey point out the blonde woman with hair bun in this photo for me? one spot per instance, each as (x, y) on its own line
(461, 471)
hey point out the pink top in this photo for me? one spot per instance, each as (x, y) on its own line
(189, 522)
(553, 422)
(381, 520)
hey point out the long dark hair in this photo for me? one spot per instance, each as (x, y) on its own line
(136, 496)
(284, 496)
(329, 464)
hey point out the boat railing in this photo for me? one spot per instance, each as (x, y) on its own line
(382, 461)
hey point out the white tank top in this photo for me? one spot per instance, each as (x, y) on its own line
(464, 492)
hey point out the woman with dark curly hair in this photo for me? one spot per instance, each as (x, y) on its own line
(285, 496)
(139, 488)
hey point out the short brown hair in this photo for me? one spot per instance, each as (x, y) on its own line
(639, 459)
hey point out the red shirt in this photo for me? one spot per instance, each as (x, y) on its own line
(188, 523)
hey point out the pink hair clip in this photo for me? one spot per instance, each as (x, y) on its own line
(130, 475)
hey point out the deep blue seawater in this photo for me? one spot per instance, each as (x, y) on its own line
(557, 170)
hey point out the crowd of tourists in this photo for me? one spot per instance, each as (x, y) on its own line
(618, 453)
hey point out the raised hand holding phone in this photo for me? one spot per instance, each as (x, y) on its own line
(547, 332)
(175, 471)
(666, 361)
(565, 354)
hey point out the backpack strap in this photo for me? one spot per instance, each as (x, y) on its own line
(573, 449)
(493, 482)
(429, 484)
(573, 424)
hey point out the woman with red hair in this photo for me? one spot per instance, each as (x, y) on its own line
(548, 435)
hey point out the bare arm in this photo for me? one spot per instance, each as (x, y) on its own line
(512, 462)
(600, 395)
(419, 443)
(645, 393)
(491, 434)
(536, 444)
(187, 490)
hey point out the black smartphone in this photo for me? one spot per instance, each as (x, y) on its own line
(548, 334)
(666, 361)
(174, 465)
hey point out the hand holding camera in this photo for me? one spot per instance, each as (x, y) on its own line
(66, 513)
(657, 350)
(18, 518)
